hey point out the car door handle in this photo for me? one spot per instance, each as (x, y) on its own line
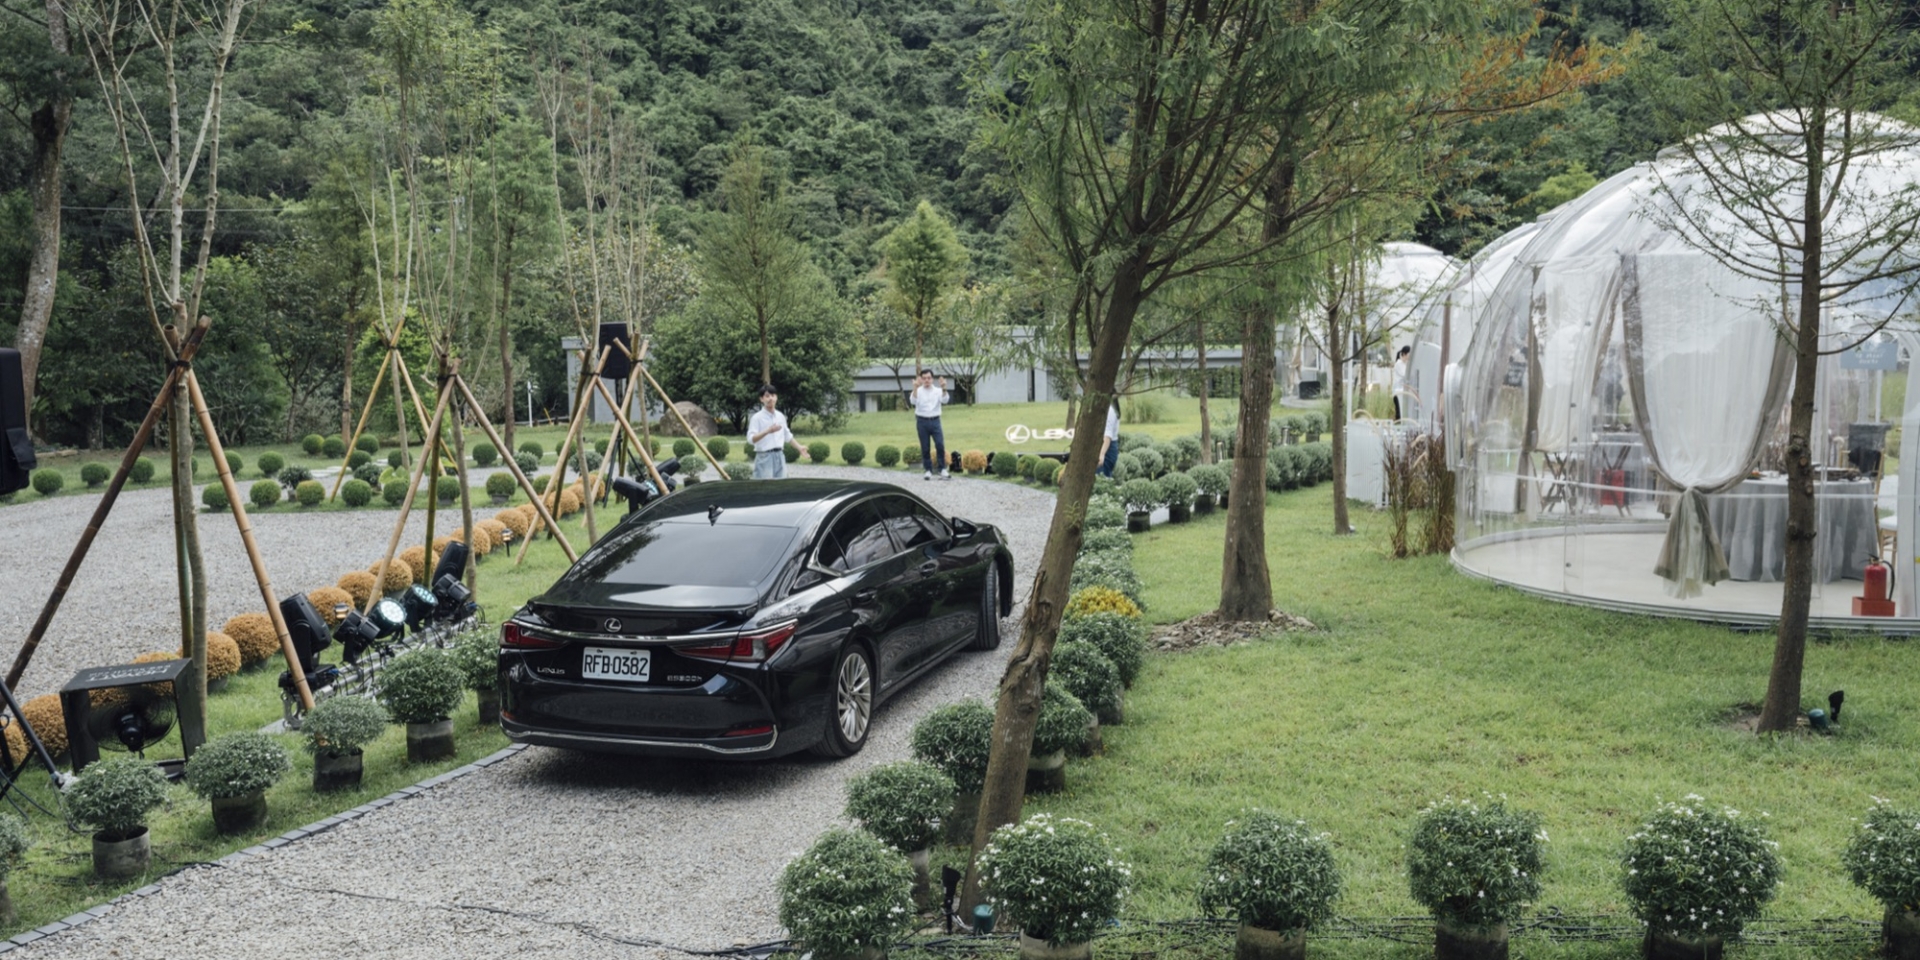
(865, 596)
(931, 566)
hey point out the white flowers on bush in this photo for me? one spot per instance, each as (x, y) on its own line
(1058, 879)
(1475, 863)
(901, 803)
(847, 893)
(1883, 857)
(1272, 872)
(1695, 870)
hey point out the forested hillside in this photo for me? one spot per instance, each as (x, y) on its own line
(863, 109)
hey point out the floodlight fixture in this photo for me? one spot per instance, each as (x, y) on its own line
(355, 633)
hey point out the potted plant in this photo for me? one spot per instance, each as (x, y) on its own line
(1475, 865)
(1091, 678)
(421, 689)
(1142, 496)
(957, 739)
(1059, 879)
(1178, 490)
(477, 654)
(13, 845)
(1212, 480)
(847, 897)
(904, 805)
(1883, 858)
(233, 772)
(338, 729)
(1695, 876)
(1315, 423)
(1278, 877)
(114, 797)
(1122, 638)
(1063, 724)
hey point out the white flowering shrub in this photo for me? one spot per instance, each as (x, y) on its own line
(958, 739)
(901, 803)
(1883, 857)
(1694, 870)
(1475, 863)
(849, 892)
(1272, 872)
(1064, 722)
(236, 764)
(1058, 879)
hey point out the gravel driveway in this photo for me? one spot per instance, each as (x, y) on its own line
(546, 853)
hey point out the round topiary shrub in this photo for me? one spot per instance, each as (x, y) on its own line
(540, 482)
(367, 443)
(719, 447)
(331, 603)
(1178, 490)
(1141, 495)
(292, 476)
(515, 520)
(1475, 864)
(957, 739)
(500, 487)
(1023, 465)
(395, 458)
(886, 455)
(1211, 479)
(47, 481)
(476, 654)
(1086, 673)
(853, 451)
(1092, 600)
(533, 449)
(422, 686)
(1271, 872)
(790, 452)
(974, 461)
(359, 585)
(264, 493)
(737, 471)
(48, 719)
(142, 471)
(1045, 469)
(333, 448)
(484, 454)
(312, 443)
(368, 473)
(848, 894)
(234, 463)
(684, 447)
(223, 656)
(527, 462)
(309, 493)
(94, 474)
(1058, 879)
(116, 795)
(400, 573)
(818, 451)
(343, 725)
(358, 459)
(447, 489)
(270, 464)
(236, 764)
(356, 493)
(253, 633)
(1005, 465)
(394, 493)
(1120, 638)
(902, 803)
(1064, 722)
(1692, 871)
(1883, 858)
(1106, 540)
(569, 503)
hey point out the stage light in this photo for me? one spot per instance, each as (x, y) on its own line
(308, 630)
(389, 616)
(355, 634)
(419, 604)
(455, 600)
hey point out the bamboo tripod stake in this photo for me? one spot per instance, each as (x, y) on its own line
(559, 481)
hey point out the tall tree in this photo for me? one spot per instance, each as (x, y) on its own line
(516, 219)
(1810, 208)
(751, 262)
(48, 80)
(923, 260)
(1129, 129)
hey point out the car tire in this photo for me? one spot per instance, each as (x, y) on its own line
(850, 711)
(987, 635)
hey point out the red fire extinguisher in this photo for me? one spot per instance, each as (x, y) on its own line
(1875, 590)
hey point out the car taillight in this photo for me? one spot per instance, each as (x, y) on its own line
(746, 647)
(515, 637)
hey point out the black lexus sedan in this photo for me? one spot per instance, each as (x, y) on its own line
(750, 619)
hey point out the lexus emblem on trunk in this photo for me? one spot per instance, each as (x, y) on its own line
(613, 625)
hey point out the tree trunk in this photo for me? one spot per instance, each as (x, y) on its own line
(1018, 705)
(1781, 709)
(766, 358)
(472, 573)
(346, 392)
(506, 360)
(49, 125)
(1337, 418)
(1246, 586)
(191, 688)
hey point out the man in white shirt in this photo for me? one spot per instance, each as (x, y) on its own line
(1397, 381)
(1110, 442)
(927, 400)
(767, 431)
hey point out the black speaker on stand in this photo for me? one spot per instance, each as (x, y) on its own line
(619, 362)
(16, 447)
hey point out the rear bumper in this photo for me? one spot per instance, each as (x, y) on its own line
(735, 747)
(725, 717)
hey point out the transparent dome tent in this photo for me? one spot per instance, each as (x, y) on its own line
(1617, 417)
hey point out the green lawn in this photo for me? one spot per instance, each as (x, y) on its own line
(1421, 682)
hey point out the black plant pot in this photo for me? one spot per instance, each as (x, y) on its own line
(336, 771)
(1203, 503)
(239, 814)
(1179, 513)
(1139, 522)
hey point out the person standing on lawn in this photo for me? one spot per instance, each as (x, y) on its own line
(1110, 443)
(927, 400)
(767, 431)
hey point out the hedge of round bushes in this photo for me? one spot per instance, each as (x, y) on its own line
(886, 455)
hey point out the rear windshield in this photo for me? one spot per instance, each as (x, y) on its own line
(686, 552)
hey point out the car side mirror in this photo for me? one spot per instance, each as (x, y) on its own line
(810, 577)
(963, 529)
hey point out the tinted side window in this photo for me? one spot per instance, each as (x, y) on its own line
(911, 524)
(858, 538)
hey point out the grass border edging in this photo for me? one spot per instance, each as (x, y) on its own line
(242, 855)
